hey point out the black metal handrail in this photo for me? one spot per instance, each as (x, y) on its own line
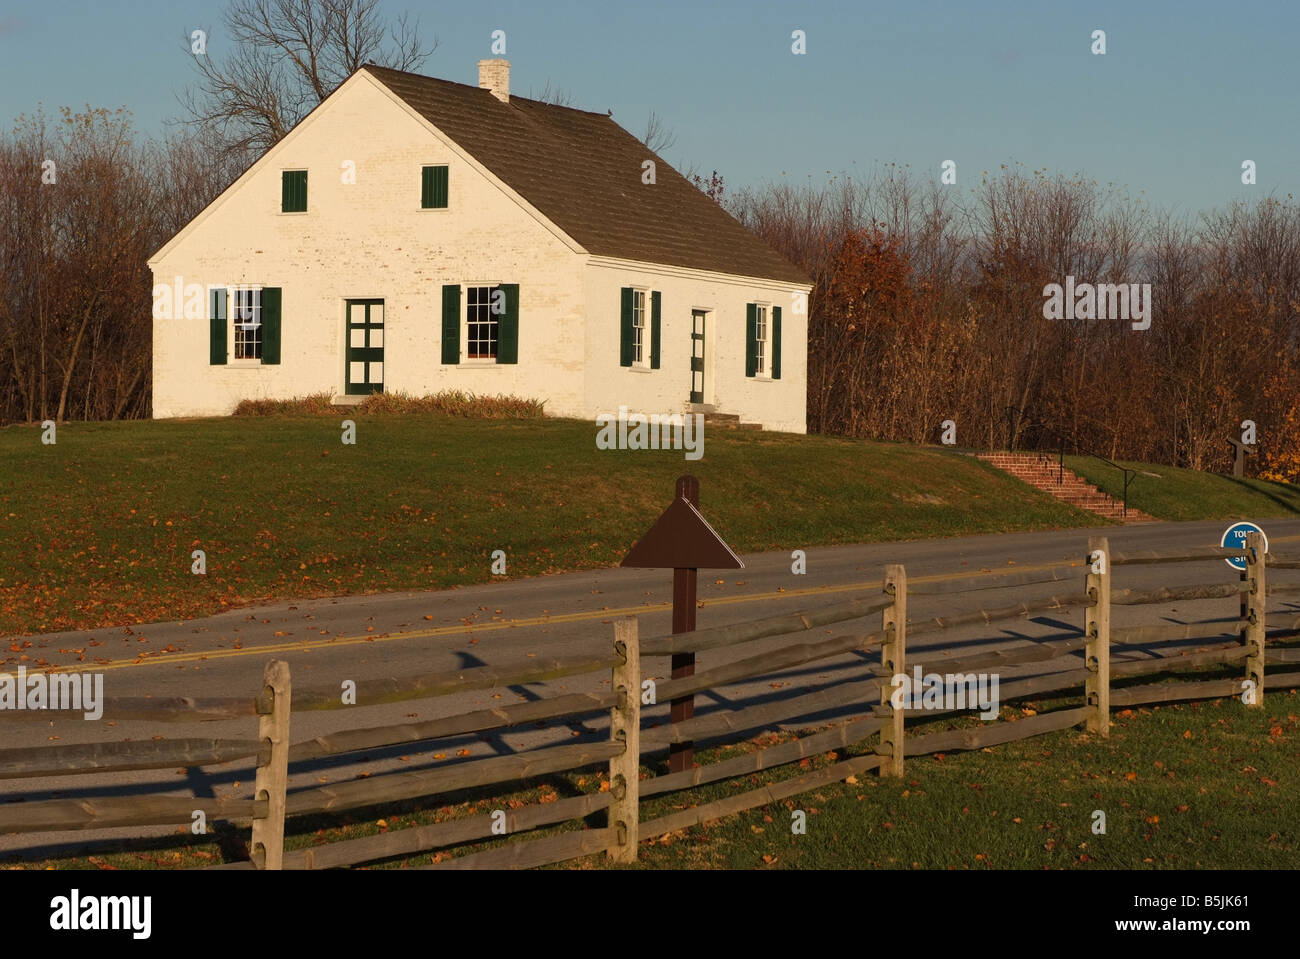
(1128, 474)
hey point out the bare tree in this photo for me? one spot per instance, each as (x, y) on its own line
(658, 135)
(554, 95)
(285, 57)
(77, 222)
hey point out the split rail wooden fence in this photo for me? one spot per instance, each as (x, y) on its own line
(845, 713)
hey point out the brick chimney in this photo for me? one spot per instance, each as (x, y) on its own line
(494, 75)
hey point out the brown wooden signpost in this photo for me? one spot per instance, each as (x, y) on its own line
(682, 540)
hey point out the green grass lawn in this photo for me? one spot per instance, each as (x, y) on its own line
(1170, 493)
(98, 529)
(1206, 785)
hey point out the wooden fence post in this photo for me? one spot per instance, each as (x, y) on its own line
(1257, 604)
(625, 726)
(1096, 627)
(893, 656)
(272, 779)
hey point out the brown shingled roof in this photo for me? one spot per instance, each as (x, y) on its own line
(583, 172)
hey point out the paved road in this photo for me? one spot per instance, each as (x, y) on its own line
(331, 640)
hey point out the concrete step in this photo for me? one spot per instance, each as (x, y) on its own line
(728, 421)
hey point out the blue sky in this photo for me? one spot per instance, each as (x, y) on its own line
(1185, 92)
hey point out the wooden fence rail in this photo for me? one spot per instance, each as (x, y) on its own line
(785, 624)
(79, 759)
(1147, 556)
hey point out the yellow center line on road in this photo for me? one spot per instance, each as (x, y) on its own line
(547, 620)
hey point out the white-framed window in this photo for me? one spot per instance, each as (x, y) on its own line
(640, 344)
(761, 351)
(246, 315)
(483, 322)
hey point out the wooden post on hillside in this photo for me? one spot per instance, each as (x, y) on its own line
(682, 755)
(893, 656)
(1096, 628)
(272, 780)
(625, 727)
(1254, 613)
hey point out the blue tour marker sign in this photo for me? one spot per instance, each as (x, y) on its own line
(1234, 537)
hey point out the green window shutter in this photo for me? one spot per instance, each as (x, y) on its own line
(625, 329)
(433, 188)
(508, 328)
(451, 323)
(776, 342)
(217, 329)
(751, 338)
(293, 191)
(654, 329)
(270, 326)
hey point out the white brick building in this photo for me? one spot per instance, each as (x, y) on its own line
(419, 235)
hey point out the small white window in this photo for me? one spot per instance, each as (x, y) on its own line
(639, 350)
(246, 313)
(760, 342)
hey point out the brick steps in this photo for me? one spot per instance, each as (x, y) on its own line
(1043, 472)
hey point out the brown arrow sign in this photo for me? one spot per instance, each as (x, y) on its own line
(682, 539)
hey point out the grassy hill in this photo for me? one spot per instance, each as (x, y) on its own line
(99, 528)
(1170, 493)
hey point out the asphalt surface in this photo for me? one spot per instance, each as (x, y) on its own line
(328, 641)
